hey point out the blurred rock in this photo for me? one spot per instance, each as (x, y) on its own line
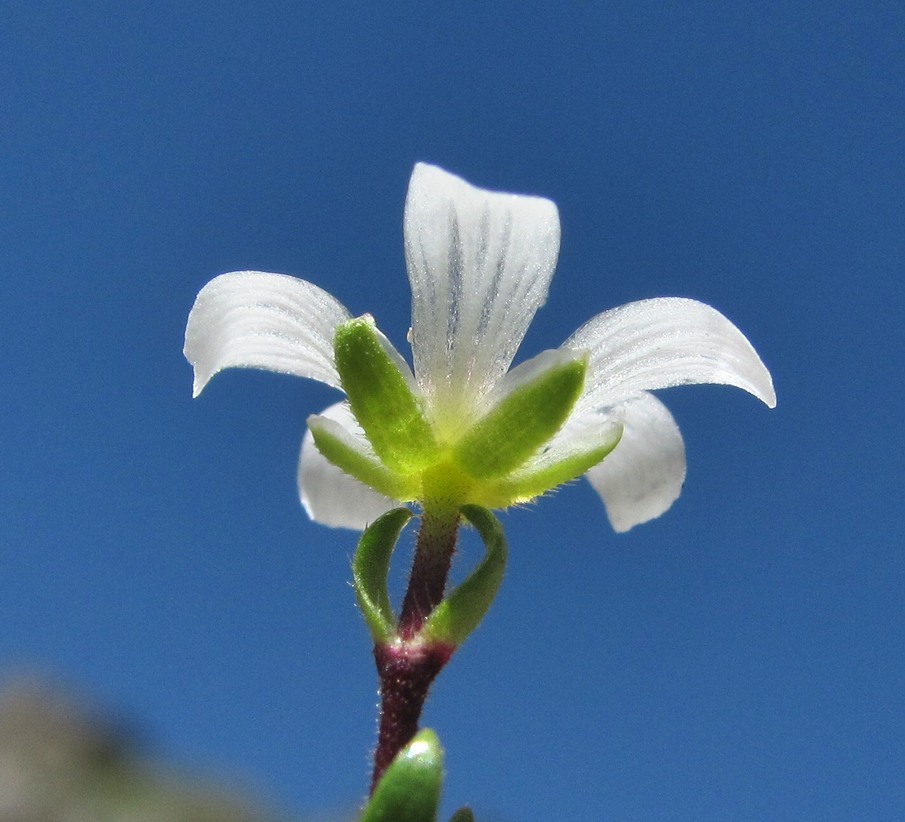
(60, 762)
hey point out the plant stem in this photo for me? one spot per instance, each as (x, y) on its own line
(433, 554)
(406, 672)
(407, 665)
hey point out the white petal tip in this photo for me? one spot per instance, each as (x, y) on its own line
(621, 528)
(759, 382)
(198, 385)
(641, 514)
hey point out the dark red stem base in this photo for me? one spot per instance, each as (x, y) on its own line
(406, 672)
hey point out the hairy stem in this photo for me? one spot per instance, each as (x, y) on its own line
(406, 673)
(430, 568)
(407, 665)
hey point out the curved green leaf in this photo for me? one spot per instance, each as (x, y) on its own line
(370, 567)
(462, 815)
(462, 611)
(409, 790)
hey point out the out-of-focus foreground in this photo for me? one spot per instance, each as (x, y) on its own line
(61, 762)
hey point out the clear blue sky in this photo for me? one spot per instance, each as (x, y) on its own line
(741, 658)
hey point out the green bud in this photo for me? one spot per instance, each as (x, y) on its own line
(546, 389)
(382, 396)
(409, 790)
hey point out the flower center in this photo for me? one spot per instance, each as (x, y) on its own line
(445, 488)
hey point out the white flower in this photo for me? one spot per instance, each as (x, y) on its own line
(479, 264)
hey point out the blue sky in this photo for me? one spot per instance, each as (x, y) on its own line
(740, 658)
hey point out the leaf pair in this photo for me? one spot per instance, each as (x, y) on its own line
(460, 612)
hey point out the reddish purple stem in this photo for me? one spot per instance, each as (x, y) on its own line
(407, 666)
(406, 674)
(430, 568)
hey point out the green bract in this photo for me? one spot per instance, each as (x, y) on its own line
(370, 568)
(382, 399)
(451, 622)
(521, 422)
(493, 461)
(462, 611)
(337, 446)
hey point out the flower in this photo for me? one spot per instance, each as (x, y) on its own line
(464, 428)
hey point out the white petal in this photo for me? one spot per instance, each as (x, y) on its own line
(330, 496)
(664, 342)
(479, 263)
(643, 475)
(251, 319)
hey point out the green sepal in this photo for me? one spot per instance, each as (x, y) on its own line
(382, 399)
(462, 815)
(409, 790)
(462, 611)
(340, 449)
(526, 418)
(530, 483)
(370, 567)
